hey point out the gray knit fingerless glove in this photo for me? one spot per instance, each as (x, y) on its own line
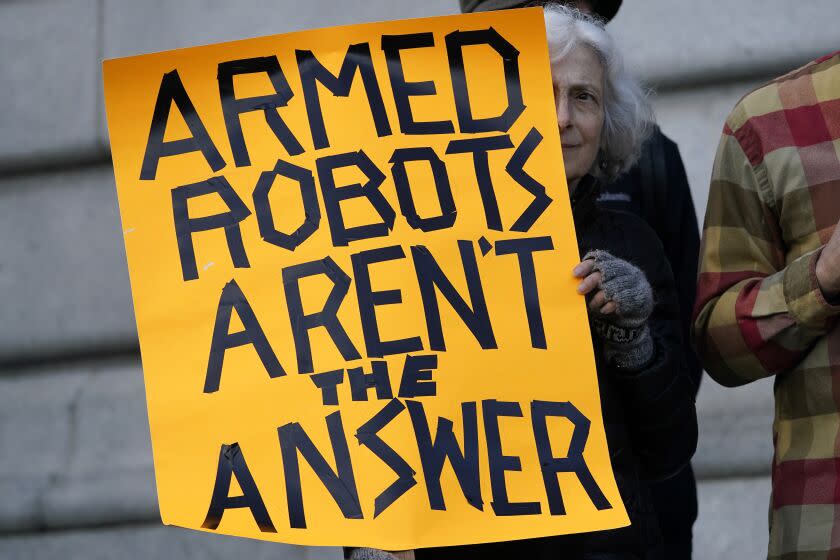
(371, 554)
(626, 336)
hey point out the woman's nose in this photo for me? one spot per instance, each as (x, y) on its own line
(564, 116)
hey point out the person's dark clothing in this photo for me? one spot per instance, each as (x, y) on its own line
(649, 416)
(656, 189)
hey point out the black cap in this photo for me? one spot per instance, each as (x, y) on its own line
(604, 8)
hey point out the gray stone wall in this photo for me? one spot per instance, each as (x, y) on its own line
(75, 472)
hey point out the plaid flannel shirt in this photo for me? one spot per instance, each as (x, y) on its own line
(774, 201)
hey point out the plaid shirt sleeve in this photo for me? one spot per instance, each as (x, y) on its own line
(758, 310)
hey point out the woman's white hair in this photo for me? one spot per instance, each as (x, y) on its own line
(628, 117)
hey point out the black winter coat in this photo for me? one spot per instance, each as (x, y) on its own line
(649, 416)
(656, 189)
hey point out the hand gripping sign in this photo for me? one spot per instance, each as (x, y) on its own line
(350, 254)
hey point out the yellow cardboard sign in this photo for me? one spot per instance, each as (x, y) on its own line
(350, 253)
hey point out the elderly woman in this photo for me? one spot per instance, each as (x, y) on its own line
(646, 395)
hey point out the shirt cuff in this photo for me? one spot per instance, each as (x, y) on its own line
(804, 297)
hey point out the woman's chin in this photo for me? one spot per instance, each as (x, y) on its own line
(572, 182)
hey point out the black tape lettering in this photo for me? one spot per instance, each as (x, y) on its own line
(312, 72)
(368, 435)
(265, 216)
(341, 484)
(444, 190)
(233, 298)
(572, 463)
(455, 43)
(233, 107)
(172, 91)
(524, 249)
(328, 382)
(232, 462)
(499, 462)
(361, 382)
(369, 299)
(434, 453)
(516, 169)
(479, 148)
(403, 90)
(430, 276)
(417, 376)
(327, 317)
(484, 245)
(333, 195)
(185, 226)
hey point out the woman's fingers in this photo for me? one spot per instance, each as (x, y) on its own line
(583, 269)
(601, 304)
(598, 301)
(608, 308)
(589, 283)
(592, 281)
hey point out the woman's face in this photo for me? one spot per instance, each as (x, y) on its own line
(578, 92)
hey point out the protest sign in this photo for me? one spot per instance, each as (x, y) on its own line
(350, 253)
